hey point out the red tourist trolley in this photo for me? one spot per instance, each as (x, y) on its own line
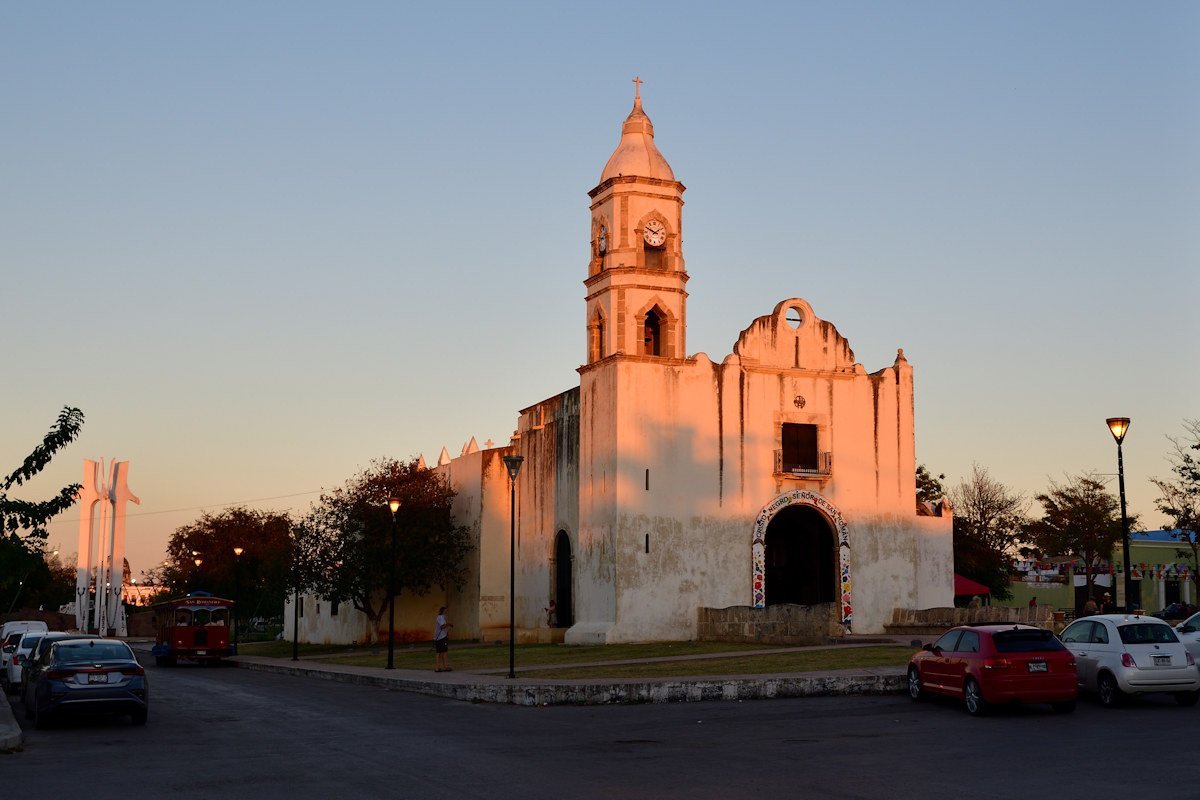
(195, 627)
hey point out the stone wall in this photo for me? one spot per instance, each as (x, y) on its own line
(777, 624)
(937, 620)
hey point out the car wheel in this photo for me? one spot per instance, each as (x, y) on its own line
(915, 689)
(1187, 699)
(1110, 693)
(1065, 707)
(973, 698)
(139, 717)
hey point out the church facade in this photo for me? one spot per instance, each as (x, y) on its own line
(665, 483)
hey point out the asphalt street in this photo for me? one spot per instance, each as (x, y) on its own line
(227, 732)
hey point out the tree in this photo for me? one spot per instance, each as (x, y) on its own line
(1179, 496)
(1079, 518)
(988, 517)
(259, 578)
(32, 516)
(929, 488)
(345, 540)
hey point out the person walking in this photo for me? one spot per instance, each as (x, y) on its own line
(441, 642)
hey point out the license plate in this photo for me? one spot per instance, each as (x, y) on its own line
(201, 652)
(1162, 661)
(97, 677)
(1037, 666)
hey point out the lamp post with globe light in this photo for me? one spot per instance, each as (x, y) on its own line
(394, 505)
(513, 463)
(1118, 427)
(237, 594)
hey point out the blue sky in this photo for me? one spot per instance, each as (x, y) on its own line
(262, 243)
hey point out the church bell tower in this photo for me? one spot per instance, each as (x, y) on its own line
(636, 301)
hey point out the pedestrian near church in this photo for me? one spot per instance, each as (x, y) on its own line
(441, 641)
(1091, 607)
(1107, 606)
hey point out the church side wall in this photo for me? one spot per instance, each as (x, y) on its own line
(466, 476)
(679, 544)
(547, 502)
(595, 571)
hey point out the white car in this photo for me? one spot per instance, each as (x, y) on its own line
(1123, 654)
(1189, 633)
(7, 648)
(13, 671)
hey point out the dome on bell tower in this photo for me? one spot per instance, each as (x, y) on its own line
(636, 154)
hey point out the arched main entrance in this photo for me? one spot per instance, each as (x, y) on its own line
(801, 564)
(801, 554)
(562, 580)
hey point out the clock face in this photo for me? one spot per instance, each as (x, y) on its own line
(654, 233)
(602, 240)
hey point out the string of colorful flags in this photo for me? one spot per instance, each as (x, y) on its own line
(1139, 570)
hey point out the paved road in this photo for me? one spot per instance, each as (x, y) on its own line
(225, 732)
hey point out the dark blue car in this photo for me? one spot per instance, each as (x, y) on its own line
(88, 676)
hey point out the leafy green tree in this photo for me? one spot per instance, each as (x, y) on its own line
(32, 516)
(259, 578)
(1081, 519)
(1179, 496)
(929, 487)
(346, 538)
(988, 517)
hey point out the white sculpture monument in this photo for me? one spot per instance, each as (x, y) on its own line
(102, 553)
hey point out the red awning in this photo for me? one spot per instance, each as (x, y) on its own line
(967, 586)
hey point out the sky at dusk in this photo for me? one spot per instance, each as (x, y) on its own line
(263, 243)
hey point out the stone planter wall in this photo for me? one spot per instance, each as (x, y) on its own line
(937, 620)
(778, 624)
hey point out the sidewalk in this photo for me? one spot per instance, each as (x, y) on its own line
(493, 686)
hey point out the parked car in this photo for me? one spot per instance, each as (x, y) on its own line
(1177, 610)
(20, 626)
(1188, 632)
(985, 665)
(13, 672)
(8, 646)
(1124, 654)
(88, 676)
(30, 666)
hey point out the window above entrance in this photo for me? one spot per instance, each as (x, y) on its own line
(799, 455)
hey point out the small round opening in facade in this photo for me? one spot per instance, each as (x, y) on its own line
(794, 317)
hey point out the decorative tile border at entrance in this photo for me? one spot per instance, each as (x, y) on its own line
(758, 547)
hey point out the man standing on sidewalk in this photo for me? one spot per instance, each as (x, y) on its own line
(441, 641)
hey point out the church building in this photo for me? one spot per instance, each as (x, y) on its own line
(664, 483)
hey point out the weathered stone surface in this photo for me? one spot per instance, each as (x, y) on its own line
(545, 693)
(778, 624)
(936, 620)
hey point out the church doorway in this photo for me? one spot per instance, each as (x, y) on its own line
(562, 580)
(801, 559)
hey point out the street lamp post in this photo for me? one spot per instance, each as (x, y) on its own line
(197, 561)
(394, 505)
(513, 463)
(1118, 426)
(237, 595)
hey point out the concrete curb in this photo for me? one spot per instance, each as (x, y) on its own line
(11, 737)
(468, 688)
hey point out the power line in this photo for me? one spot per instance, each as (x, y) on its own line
(204, 507)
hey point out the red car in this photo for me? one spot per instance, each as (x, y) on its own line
(987, 665)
